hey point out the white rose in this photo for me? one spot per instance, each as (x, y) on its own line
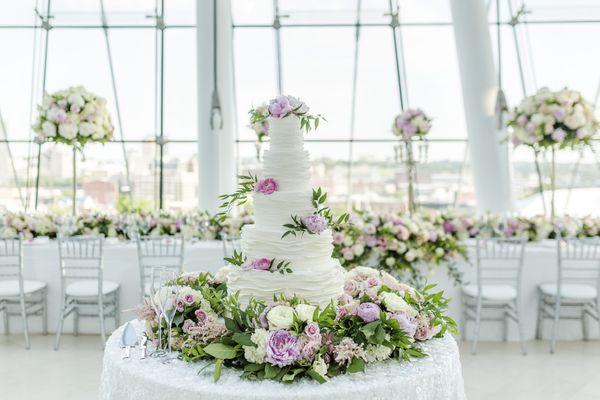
(410, 255)
(390, 261)
(68, 130)
(537, 119)
(395, 303)
(348, 241)
(222, 274)
(401, 247)
(439, 252)
(319, 366)
(280, 317)
(49, 129)
(76, 99)
(99, 133)
(86, 128)
(359, 249)
(305, 312)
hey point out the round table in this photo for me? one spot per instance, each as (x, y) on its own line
(436, 377)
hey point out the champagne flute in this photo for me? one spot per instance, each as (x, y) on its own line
(156, 283)
(168, 298)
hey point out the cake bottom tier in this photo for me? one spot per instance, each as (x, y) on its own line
(317, 285)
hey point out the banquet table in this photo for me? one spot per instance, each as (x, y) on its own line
(120, 265)
(436, 377)
(40, 258)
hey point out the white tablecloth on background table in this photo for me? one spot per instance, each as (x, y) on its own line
(120, 265)
(436, 377)
(41, 263)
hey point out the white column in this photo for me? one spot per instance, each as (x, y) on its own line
(489, 157)
(216, 141)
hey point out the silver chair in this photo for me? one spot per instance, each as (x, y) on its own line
(158, 251)
(20, 297)
(230, 244)
(574, 295)
(84, 292)
(498, 287)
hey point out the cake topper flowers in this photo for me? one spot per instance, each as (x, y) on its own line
(282, 106)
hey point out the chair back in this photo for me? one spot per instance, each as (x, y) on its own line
(81, 258)
(159, 251)
(11, 259)
(230, 244)
(500, 261)
(578, 261)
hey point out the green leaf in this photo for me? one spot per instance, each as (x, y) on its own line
(221, 351)
(316, 376)
(356, 365)
(231, 325)
(254, 367)
(218, 367)
(271, 371)
(243, 339)
(369, 329)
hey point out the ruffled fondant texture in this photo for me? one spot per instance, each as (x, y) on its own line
(316, 276)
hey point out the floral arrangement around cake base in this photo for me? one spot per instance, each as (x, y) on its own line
(376, 318)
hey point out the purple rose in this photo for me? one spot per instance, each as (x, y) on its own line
(449, 227)
(262, 264)
(407, 323)
(368, 312)
(279, 107)
(315, 223)
(282, 348)
(266, 186)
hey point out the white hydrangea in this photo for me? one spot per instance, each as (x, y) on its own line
(377, 353)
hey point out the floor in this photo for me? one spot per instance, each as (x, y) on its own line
(498, 371)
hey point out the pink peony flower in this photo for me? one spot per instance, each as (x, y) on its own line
(282, 348)
(338, 238)
(266, 186)
(315, 223)
(310, 348)
(368, 312)
(279, 107)
(407, 323)
(262, 264)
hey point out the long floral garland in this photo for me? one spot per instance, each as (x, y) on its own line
(407, 247)
(376, 318)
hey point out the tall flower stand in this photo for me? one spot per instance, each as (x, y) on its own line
(405, 154)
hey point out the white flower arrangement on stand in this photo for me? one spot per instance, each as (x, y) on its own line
(549, 121)
(74, 117)
(410, 125)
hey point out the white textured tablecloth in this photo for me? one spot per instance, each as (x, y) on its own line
(437, 377)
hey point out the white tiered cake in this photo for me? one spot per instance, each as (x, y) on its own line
(316, 277)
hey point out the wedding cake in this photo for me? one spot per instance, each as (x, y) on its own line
(313, 274)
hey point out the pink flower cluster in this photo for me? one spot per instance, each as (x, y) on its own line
(266, 186)
(207, 328)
